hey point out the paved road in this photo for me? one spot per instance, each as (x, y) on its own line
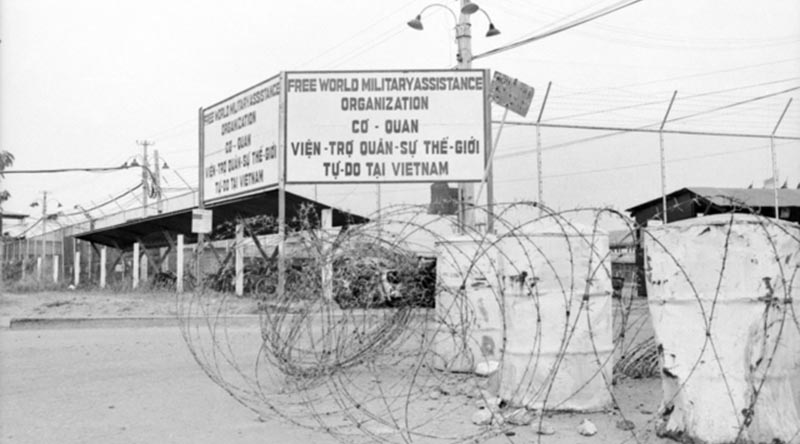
(119, 385)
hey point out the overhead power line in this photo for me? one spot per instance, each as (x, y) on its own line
(68, 170)
(658, 102)
(559, 29)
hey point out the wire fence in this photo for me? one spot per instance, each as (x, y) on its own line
(413, 329)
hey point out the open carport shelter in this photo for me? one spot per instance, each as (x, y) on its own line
(152, 239)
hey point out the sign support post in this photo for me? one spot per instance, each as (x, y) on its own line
(490, 178)
(200, 192)
(487, 174)
(282, 187)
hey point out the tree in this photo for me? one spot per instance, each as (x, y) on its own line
(6, 160)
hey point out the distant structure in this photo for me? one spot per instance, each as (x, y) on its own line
(624, 272)
(11, 216)
(444, 200)
(691, 202)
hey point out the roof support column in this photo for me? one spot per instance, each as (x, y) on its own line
(103, 258)
(135, 281)
(76, 268)
(179, 265)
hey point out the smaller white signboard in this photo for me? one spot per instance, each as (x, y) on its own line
(201, 221)
(240, 143)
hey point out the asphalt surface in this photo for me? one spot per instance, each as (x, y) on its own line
(120, 385)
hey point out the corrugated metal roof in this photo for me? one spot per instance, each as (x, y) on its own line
(738, 197)
(9, 215)
(151, 230)
(750, 197)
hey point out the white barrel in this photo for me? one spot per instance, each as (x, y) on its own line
(558, 318)
(724, 301)
(468, 322)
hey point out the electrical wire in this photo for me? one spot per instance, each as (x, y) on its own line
(684, 77)
(657, 102)
(586, 19)
(68, 170)
(392, 15)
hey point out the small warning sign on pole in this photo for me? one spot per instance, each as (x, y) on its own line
(201, 221)
(511, 94)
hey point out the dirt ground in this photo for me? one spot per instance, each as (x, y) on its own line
(637, 399)
(96, 304)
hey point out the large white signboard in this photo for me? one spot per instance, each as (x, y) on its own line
(240, 142)
(386, 126)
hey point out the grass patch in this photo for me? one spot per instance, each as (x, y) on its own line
(32, 285)
(56, 304)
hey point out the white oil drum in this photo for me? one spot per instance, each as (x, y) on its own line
(468, 321)
(558, 318)
(724, 297)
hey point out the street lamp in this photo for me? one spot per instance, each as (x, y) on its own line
(467, 8)
(464, 57)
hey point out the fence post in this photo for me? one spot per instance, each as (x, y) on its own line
(25, 258)
(539, 168)
(663, 158)
(77, 268)
(135, 283)
(179, 265)
(103, 267)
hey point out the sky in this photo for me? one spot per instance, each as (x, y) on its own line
(82, 81)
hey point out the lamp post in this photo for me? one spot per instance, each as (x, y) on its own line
(466, 191)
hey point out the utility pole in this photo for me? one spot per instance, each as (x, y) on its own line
(145, 166)
(466, 191)
(159, 205)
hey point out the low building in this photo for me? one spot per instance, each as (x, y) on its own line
(690, 202)
(624, 273)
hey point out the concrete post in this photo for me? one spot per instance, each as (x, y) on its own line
(25, 258)
(103, 267)
(55, 268)
(77, 268)
(145, 268)
(179, 265)
(135, 282)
